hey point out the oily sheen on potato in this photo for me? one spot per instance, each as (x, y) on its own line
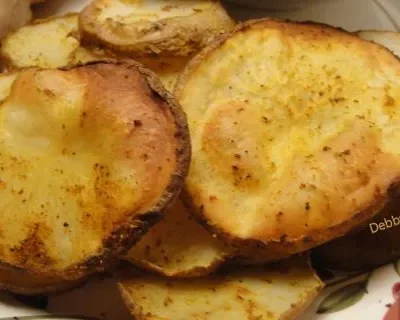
(295, 131)
(281, 292)
(90, 156)
(178, 246)
(151, 27)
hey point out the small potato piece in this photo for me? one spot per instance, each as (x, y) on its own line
(179, 247)
(264, 293)
(390, 40)
(148, 27)
(49, 43)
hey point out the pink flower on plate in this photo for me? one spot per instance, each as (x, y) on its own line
(394, 311)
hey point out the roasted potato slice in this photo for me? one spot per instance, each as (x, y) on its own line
(390, 40)
(179, 247)
(148, 27)
(48, 43)
(90, 157)
(278, 293)
(368, 246)
(54, 42)
(295, 130)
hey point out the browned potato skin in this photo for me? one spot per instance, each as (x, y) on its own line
(21, 282)
(361, 249)
(125, 233)
(181, 36)
(250, 252)
(126, 272)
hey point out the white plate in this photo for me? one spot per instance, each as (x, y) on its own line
(364, 297)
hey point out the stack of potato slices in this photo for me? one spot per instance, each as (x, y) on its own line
(290, 130)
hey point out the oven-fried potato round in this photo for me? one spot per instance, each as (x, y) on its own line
(48, 43)
(90, 156)
(178, 246)
(148, 27)
(368, 246)
(280, 293)
(390, 40)
(295, 130)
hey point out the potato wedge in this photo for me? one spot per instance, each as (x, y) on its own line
(48, 43)
(292, 148)
(178, 246)
(148, 27)
(253, 293)
(91, 156)
(390, 40)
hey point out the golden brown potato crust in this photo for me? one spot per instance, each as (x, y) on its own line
(280, 292)
(123, 27)
(102, 150)
(179, 247)
(24, 283)
(27, 47)
(294, 131)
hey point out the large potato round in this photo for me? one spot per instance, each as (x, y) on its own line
(90, 156)
(295, 131)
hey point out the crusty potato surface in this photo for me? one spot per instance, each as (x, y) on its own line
(48, 43)
(178, 246)
(295, 134)
(90, 157)
(149, 27)
(280, 293)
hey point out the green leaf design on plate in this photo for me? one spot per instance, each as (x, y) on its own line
(397, 267)
(343, 298)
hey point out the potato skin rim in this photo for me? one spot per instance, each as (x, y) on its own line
(188, 274)
(274, 250)
(116, 244)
